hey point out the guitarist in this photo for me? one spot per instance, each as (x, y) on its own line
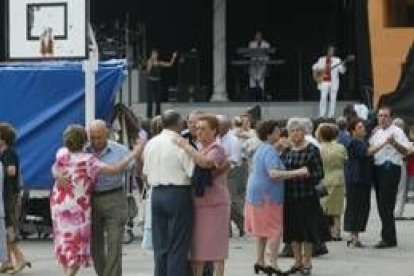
(326, 73)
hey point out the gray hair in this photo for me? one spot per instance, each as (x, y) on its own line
(224, 121)
(98, 124)
(299, 123)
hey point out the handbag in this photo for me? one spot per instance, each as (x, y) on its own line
(132, 206)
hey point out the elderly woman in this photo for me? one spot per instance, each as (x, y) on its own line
(264, 197)
(301, 202)
(358, 174)
(210, 242)
(71, 202)
(11, 189)
(334, 156)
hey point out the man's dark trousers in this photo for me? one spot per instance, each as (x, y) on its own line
(172, 222)
(387, 177)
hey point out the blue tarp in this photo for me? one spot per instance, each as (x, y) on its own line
(41, 100)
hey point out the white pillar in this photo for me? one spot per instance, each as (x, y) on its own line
(219, 38)
(90, 66)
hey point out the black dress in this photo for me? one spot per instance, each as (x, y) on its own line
(154, 90)
(358, 178)
(302, 208)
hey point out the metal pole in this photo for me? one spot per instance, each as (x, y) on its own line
(128, 58)
(90, 66)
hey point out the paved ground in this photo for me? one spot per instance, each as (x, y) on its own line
(340, 262)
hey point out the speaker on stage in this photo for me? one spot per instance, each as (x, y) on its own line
(189, 77)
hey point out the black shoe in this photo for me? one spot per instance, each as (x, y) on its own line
(336, 238)
(383, 245)
(320, 250)
(260, 268)
(275, 271)
(294, 269)
(286, 252)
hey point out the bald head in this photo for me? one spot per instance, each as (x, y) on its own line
(98, 135)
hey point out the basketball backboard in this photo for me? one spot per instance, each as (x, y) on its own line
(47, 29)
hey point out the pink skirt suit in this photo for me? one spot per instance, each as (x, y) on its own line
(212, 215)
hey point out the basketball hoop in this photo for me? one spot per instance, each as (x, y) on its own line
(47, 29)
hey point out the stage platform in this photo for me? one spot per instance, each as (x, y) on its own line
(270, 110)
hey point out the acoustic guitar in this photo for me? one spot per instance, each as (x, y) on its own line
(318, 74)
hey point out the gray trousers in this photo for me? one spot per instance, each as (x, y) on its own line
(237, 179)
(109, 216)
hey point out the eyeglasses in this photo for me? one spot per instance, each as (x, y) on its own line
(201, 128)
(383, 115)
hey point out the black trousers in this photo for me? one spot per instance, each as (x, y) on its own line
(172, 222)
(387, 177)
(154, 95)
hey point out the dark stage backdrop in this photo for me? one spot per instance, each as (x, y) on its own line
(299, 29)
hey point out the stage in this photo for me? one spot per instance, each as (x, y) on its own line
(270, 110)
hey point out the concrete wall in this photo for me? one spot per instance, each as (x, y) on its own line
(270, 110)
(389, 47)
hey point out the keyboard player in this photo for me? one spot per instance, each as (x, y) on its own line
(257, 68)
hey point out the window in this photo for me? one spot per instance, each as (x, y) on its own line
(399, 13)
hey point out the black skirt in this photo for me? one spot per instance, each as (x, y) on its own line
(358, 198)
(302, 219)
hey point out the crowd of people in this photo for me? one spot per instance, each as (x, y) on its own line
(297, 181)
(293, 181)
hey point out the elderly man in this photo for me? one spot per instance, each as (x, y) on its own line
(168, 170)
(237, 175)
(109, 204)
(387, 171)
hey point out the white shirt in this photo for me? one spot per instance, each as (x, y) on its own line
(255, 44)
(165, 163)
(335, 62)
(232, 147)
(388, 152)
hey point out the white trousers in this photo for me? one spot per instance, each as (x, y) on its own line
(331, 89)
(257, 74)
(401, 193)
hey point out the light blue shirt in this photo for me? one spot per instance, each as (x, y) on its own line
(261, 188)
(112, 154)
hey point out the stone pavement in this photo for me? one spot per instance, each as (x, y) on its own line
(340, 261)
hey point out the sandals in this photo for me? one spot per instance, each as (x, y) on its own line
(354, 244)
(19, 268)
(306, 270)
(5, 268)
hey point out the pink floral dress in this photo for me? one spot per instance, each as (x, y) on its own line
(71, 207)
